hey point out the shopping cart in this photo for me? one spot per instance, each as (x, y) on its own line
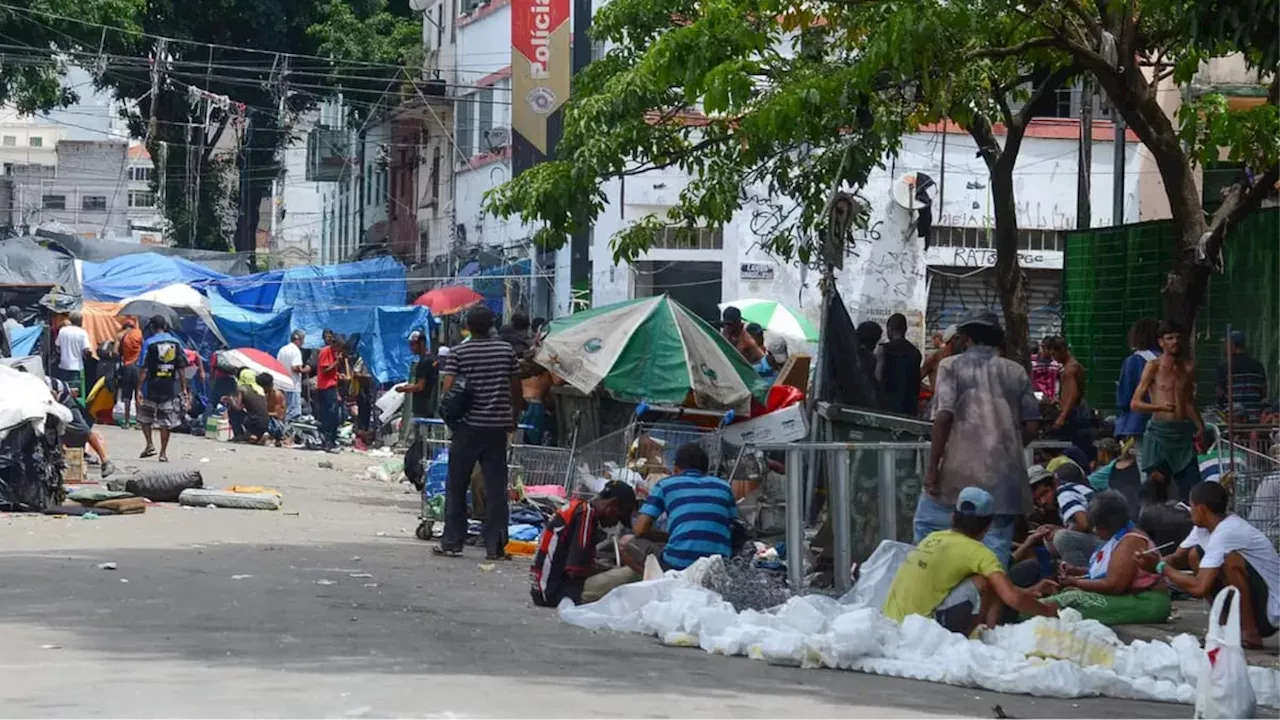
(527, 466)
(647, 444)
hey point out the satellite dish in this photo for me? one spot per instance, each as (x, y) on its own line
(914, 191)
(419, 5)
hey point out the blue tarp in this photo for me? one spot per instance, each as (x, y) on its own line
(385, 345)
(242, 328)
(23, 342)
(341, 298)
(130, 275)
(257, 292)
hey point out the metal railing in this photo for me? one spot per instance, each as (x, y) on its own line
(839, 505)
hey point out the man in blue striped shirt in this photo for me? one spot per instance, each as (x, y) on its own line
(700, 510)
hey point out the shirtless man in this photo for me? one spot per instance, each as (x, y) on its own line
(1074, 417)
(1169, 443)
(735, 331)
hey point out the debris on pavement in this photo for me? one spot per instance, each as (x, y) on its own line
(107, 566)
(240, 577)
(326, 582)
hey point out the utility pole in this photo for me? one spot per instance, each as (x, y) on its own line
(580, 270)
(1084, 210)
(1117, 187)
(281, 91)
(157, 72)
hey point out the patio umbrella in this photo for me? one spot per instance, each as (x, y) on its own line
(775, 317)
(649, 349)
(449, 299)
(260, 362)
(147, 309)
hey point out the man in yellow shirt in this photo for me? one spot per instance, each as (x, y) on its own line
(955, 579)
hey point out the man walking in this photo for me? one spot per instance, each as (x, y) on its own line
(160, 404)
(73, 343)
(488, 367)
(290, 356)
(129, 341)
(1168, 445)
(985, 414)
(329, 366)
(898, 369)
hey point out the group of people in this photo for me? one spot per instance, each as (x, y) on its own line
(1081, 546)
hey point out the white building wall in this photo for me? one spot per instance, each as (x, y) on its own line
(298, 233)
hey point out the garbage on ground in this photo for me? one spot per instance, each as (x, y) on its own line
(239, 498)
(107, 566)
(163, 486)
(1051, 657)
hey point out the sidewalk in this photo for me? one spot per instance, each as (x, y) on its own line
(1192, 616)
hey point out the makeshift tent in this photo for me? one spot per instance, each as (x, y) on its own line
(340, 297)
(103, 250)
(256, 292)
(29, 270)
(101, 321)
(266, 331)
(132, 275)
(650, 349)
(25, 341)
(385, 344)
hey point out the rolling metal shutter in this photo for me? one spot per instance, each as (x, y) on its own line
(954, 292)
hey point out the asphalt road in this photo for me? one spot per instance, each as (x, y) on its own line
(331, 608)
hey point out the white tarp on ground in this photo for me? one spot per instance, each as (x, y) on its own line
(24, 398)
(1051, 657)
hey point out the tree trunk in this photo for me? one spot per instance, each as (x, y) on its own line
(1009, 280)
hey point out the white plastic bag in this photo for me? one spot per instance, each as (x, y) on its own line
(1224, 690)
(877, 574)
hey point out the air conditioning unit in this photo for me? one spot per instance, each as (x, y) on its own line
(497, 138)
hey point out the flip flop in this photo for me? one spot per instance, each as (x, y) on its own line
(149, 452)
(164, 459)
(440, 551)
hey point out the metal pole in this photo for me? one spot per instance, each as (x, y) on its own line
(795, 519)
(888, 503)
(1117, 187)
(841, 526)
(1084, 208)
(1231, 404)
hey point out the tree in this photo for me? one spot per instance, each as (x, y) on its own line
(1131, 48)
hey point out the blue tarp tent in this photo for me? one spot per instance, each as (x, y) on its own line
(341, 298)
(242, 328)
(130, 275)
(256, 293)
(385, 344)
(25, 341)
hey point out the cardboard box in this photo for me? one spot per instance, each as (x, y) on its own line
(75, 470)
(790, 424)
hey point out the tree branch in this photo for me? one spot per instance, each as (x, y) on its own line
(1051, 84)
(1013, 50)
(675, 158)
(1236, 204)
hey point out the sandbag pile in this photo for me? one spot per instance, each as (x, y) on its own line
(1052, 657)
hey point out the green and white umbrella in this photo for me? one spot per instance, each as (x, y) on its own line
(775, 317)
(649, 349)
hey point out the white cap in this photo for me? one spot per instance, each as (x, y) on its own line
(949, 333)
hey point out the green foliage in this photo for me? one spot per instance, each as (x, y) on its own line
(1250, 137)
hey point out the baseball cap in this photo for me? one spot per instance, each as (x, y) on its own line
(980, 317)
(1037, 474)
(974, 501)
(950, 333)
(416, 335)
(731, 314)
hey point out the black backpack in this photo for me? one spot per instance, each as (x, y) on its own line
(455, 402)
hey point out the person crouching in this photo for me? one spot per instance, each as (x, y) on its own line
(956, 580)
(566, 557)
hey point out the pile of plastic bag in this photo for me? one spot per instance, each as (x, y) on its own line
(1062, 657)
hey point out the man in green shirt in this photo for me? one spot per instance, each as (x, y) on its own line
(956, 580)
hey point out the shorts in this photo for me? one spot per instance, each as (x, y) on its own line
(128, 382)
(957, 610)
(165, 415)
(638, 549)
(76, 433)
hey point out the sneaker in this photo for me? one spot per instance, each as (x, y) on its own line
(108, 468)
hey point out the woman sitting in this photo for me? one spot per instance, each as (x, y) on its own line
(1113, 590)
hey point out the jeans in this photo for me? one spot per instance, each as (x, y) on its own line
(487, 446)
(329, 414)
(292, 405)
(1074, 547)
(932, 516)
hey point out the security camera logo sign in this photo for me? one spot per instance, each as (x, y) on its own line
(541, 100)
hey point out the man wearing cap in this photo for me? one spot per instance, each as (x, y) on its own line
(1063, 493)
(984, 415)
(421, 387)
(1248, 381)
(952, 577)
(735, 331)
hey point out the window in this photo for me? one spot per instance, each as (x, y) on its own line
(36, 141)
(680, 238)
(485, 99)
(93, 202)
(142, 199)
(465, 132)
(435, 175)
(368, 187)
(10, 140)
(140, 174)
(453, 23)
(54, 202)
(981, 239)
(470, 6)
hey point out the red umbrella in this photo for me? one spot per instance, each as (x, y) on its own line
(260, 362)
(449, 299)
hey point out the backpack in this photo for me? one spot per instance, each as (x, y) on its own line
(455, 402)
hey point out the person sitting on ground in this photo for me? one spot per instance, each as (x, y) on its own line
(247, 409)
(564, 565)
(276, 409)
(1223, 550)
(79, 432)
(700, 510)
(1120, 471)
(1113, 589)
(1065, 497)
(956, 580)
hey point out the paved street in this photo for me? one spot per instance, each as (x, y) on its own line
(331, 608)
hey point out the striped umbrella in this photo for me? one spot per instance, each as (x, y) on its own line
(775, 317)
(260, 362)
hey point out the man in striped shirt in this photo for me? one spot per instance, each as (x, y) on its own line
(700, 510)
(1065, 488)
(492, 376)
